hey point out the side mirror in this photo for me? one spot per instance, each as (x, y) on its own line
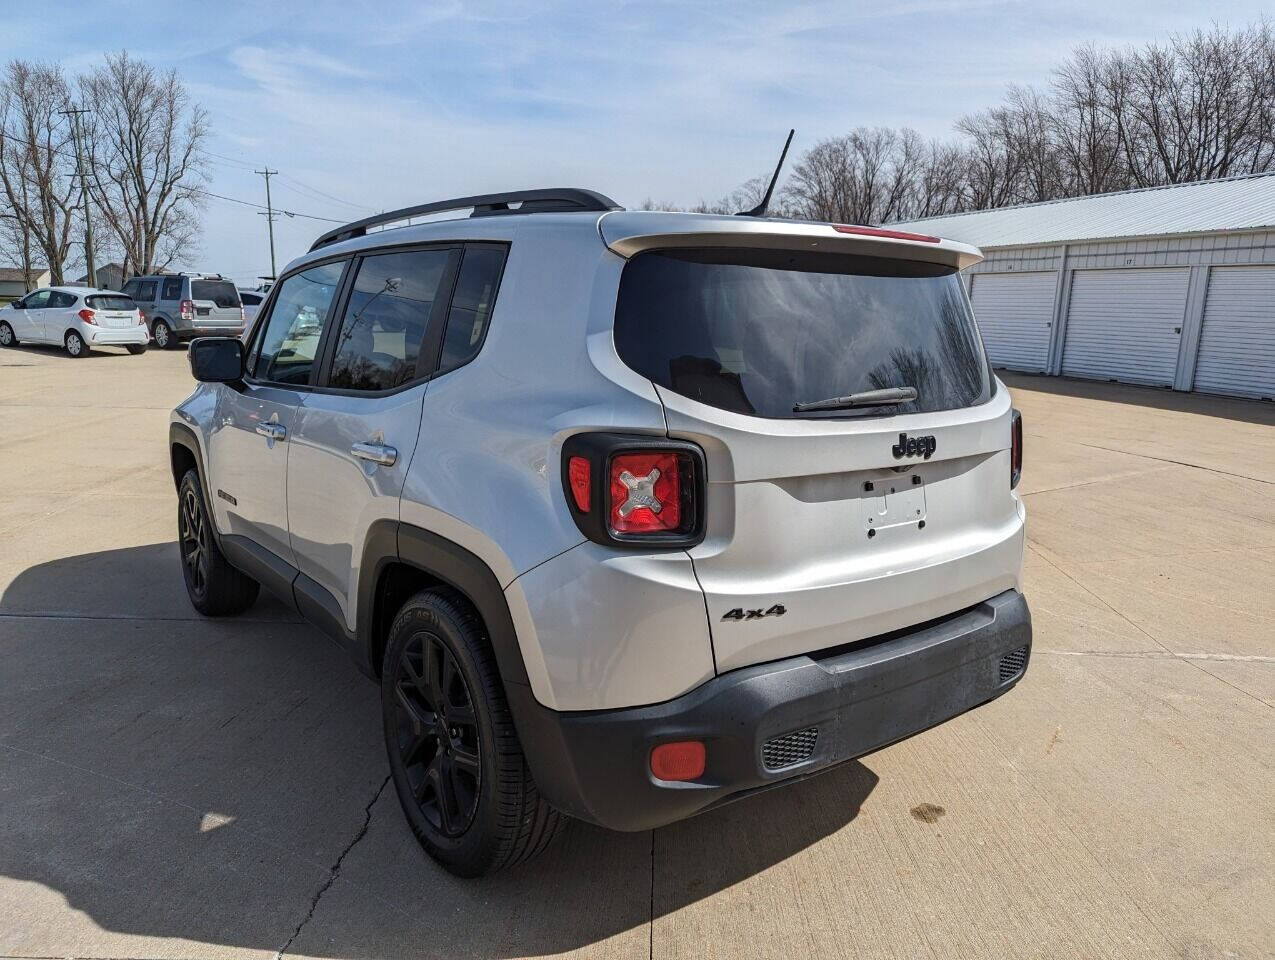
(216, 359)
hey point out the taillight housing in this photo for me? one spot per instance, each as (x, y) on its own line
(141, 317)
(1015, 449)
(187, 309)
(635, 491)
(88, 315)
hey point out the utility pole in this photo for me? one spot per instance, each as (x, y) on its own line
(269, 214)
(89, 260)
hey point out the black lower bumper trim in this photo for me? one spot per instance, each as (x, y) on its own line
(594, 764)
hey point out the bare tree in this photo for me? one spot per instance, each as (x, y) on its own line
(147, 160)
(1086, 132)
(867, 176)
(37, 162)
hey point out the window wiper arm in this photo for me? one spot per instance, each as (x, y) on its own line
(889, 397)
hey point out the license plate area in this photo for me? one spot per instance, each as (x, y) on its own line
(893, 501)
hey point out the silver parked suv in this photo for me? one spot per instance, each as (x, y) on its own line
(631, 513)
(181, 306)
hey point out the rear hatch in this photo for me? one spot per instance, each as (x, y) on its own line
(826, 527)
(216, 303)
(112, 310)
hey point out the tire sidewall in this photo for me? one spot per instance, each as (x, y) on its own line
(7, 338)
(469, 853)
(167, 340)
(74, 337)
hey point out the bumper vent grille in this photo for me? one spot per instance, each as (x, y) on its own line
(789, 749)
(1012, 664)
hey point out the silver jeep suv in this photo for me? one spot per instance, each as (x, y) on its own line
(630, 514)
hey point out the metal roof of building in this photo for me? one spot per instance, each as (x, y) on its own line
(1244, 202)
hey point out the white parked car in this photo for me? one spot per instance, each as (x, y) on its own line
(78, 318)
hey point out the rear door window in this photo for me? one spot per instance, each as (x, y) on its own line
(286, 349)
(145, 291)
(756, 332)
(387, 317)
(60, 300)
(221, 292)
(173, 288)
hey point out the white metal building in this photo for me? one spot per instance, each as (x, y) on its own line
(1169, 286)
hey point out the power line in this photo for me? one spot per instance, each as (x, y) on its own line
(190, 189)
(327, 196)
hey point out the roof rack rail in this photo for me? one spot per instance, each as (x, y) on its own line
(557, 199)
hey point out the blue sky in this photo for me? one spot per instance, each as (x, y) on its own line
(381, 104)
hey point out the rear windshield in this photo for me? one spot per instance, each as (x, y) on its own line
(220, 292)
(756, 332)
(100, 302)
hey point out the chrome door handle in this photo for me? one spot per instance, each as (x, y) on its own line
(381, 453)
(272, 431)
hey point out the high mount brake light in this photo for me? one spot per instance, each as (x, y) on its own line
(884, 234)
(87, 316)
(1015, 449)
(640, 491)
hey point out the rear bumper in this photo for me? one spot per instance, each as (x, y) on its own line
(594, 764)
(191, 332)
(115, 336)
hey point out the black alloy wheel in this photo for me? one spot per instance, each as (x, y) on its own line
(194, 541)
(437, 733)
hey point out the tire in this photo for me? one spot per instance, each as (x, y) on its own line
(7, 337)
(215, 588)
(463, 782)
(75, 345)
(163, 334)
(136, 349)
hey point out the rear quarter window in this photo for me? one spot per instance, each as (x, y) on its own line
(756, 332)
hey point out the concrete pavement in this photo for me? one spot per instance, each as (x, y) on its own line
(177, 787)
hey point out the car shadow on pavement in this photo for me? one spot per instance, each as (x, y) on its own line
(174, 778)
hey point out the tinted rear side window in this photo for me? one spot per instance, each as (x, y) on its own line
(100, 302)
(471, 305)
(173, 288)
(220, 292)
(756, 332)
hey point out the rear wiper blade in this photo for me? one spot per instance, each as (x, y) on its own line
(890, 396)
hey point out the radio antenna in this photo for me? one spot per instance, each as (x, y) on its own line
(760, 209)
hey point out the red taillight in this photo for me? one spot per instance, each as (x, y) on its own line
(630, 491)
(885, 234)
(187, 309)
(646, 493)
(579, 475)
(679, 761)
(141, 317)
(1015, 449)
(87, 316)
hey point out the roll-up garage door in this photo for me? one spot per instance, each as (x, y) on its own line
(1237, 341)
(1125, 324)
(1015, 312)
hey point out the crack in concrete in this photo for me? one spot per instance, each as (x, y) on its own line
(334, 871)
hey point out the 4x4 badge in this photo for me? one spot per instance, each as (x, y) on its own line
(914, 447)
(739, 613)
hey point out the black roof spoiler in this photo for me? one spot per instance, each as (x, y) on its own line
(557, 200)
